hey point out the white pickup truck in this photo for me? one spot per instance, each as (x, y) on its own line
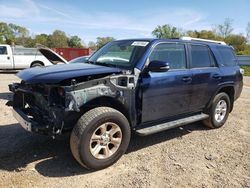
(14, 58)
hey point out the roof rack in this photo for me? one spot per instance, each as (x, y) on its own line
(204, 40)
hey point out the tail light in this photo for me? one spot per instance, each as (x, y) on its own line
(242, 71)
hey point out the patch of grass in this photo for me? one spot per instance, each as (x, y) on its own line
(246, 69)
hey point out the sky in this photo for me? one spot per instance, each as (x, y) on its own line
(90, 19)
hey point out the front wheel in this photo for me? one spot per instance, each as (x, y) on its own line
(219, 111)
(100, 138)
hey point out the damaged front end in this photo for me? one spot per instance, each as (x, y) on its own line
(49, 109)
(39, 108)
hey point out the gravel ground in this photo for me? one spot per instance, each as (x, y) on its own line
(189, 156)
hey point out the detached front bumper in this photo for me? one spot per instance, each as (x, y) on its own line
(33, 111)
(30, 125)
(24, 120)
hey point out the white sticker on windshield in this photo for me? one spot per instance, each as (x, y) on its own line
(139, 43)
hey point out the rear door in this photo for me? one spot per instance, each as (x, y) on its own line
(205, 76)
(5, 58)
(167, 94)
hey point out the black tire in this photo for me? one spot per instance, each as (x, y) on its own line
(87, 126)
(37, 65)
(212, 121)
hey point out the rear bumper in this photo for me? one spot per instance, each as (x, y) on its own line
(238, 90)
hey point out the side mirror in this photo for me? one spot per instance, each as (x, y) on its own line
(158, 66)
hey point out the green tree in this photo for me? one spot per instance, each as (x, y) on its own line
(42, 39)
(92, 45)
(102, 41)
(75, 41)
(204, 34)
(167, 31)
(21, 34)
(26, 42)
(237, 41)
(58, 39)
(246, 50)
(19, 31)
(6, 34)
(226, 28)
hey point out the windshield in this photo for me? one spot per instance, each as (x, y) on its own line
(123, 54)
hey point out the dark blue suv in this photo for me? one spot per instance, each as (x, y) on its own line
(142, 85)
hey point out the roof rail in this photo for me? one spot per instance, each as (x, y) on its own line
(204, 40)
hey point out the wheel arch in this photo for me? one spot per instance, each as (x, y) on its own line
(106, 101)
(37, 61)
(229, 90)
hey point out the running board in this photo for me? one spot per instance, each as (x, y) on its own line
(171, 124)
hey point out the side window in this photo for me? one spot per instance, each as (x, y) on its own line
(227, 56)
(201, 57)
(172, 53)
(26, 51)
(3, 50)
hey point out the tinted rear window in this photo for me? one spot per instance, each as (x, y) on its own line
(201, 57)
(227, 56)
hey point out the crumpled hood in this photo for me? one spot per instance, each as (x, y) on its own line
(57, 73)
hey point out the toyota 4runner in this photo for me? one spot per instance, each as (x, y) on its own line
(143, 85)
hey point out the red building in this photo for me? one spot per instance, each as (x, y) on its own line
(71, 53)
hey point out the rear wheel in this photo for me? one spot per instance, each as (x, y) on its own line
(219, 111)
(37, 64)
(100, 138)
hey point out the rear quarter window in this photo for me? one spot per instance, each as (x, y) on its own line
(227, 55)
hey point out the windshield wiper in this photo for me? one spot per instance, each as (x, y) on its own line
(106, 64)
(90, 62)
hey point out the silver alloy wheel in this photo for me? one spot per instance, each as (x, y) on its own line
(220, 110)
(105, 140)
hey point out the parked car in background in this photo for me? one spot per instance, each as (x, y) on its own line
(15, 58)
(82, 59)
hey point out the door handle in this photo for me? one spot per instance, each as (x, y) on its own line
(187, 79)
(8, 57)
(216, 76)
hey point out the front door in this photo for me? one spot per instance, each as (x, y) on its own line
(166, 94)
(5, 59)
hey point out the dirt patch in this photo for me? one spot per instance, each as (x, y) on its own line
(189, 156)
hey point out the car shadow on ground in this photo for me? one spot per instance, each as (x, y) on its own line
(19, 149)
(140, 142)
(9, 72)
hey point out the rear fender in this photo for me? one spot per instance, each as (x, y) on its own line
(223, 88)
